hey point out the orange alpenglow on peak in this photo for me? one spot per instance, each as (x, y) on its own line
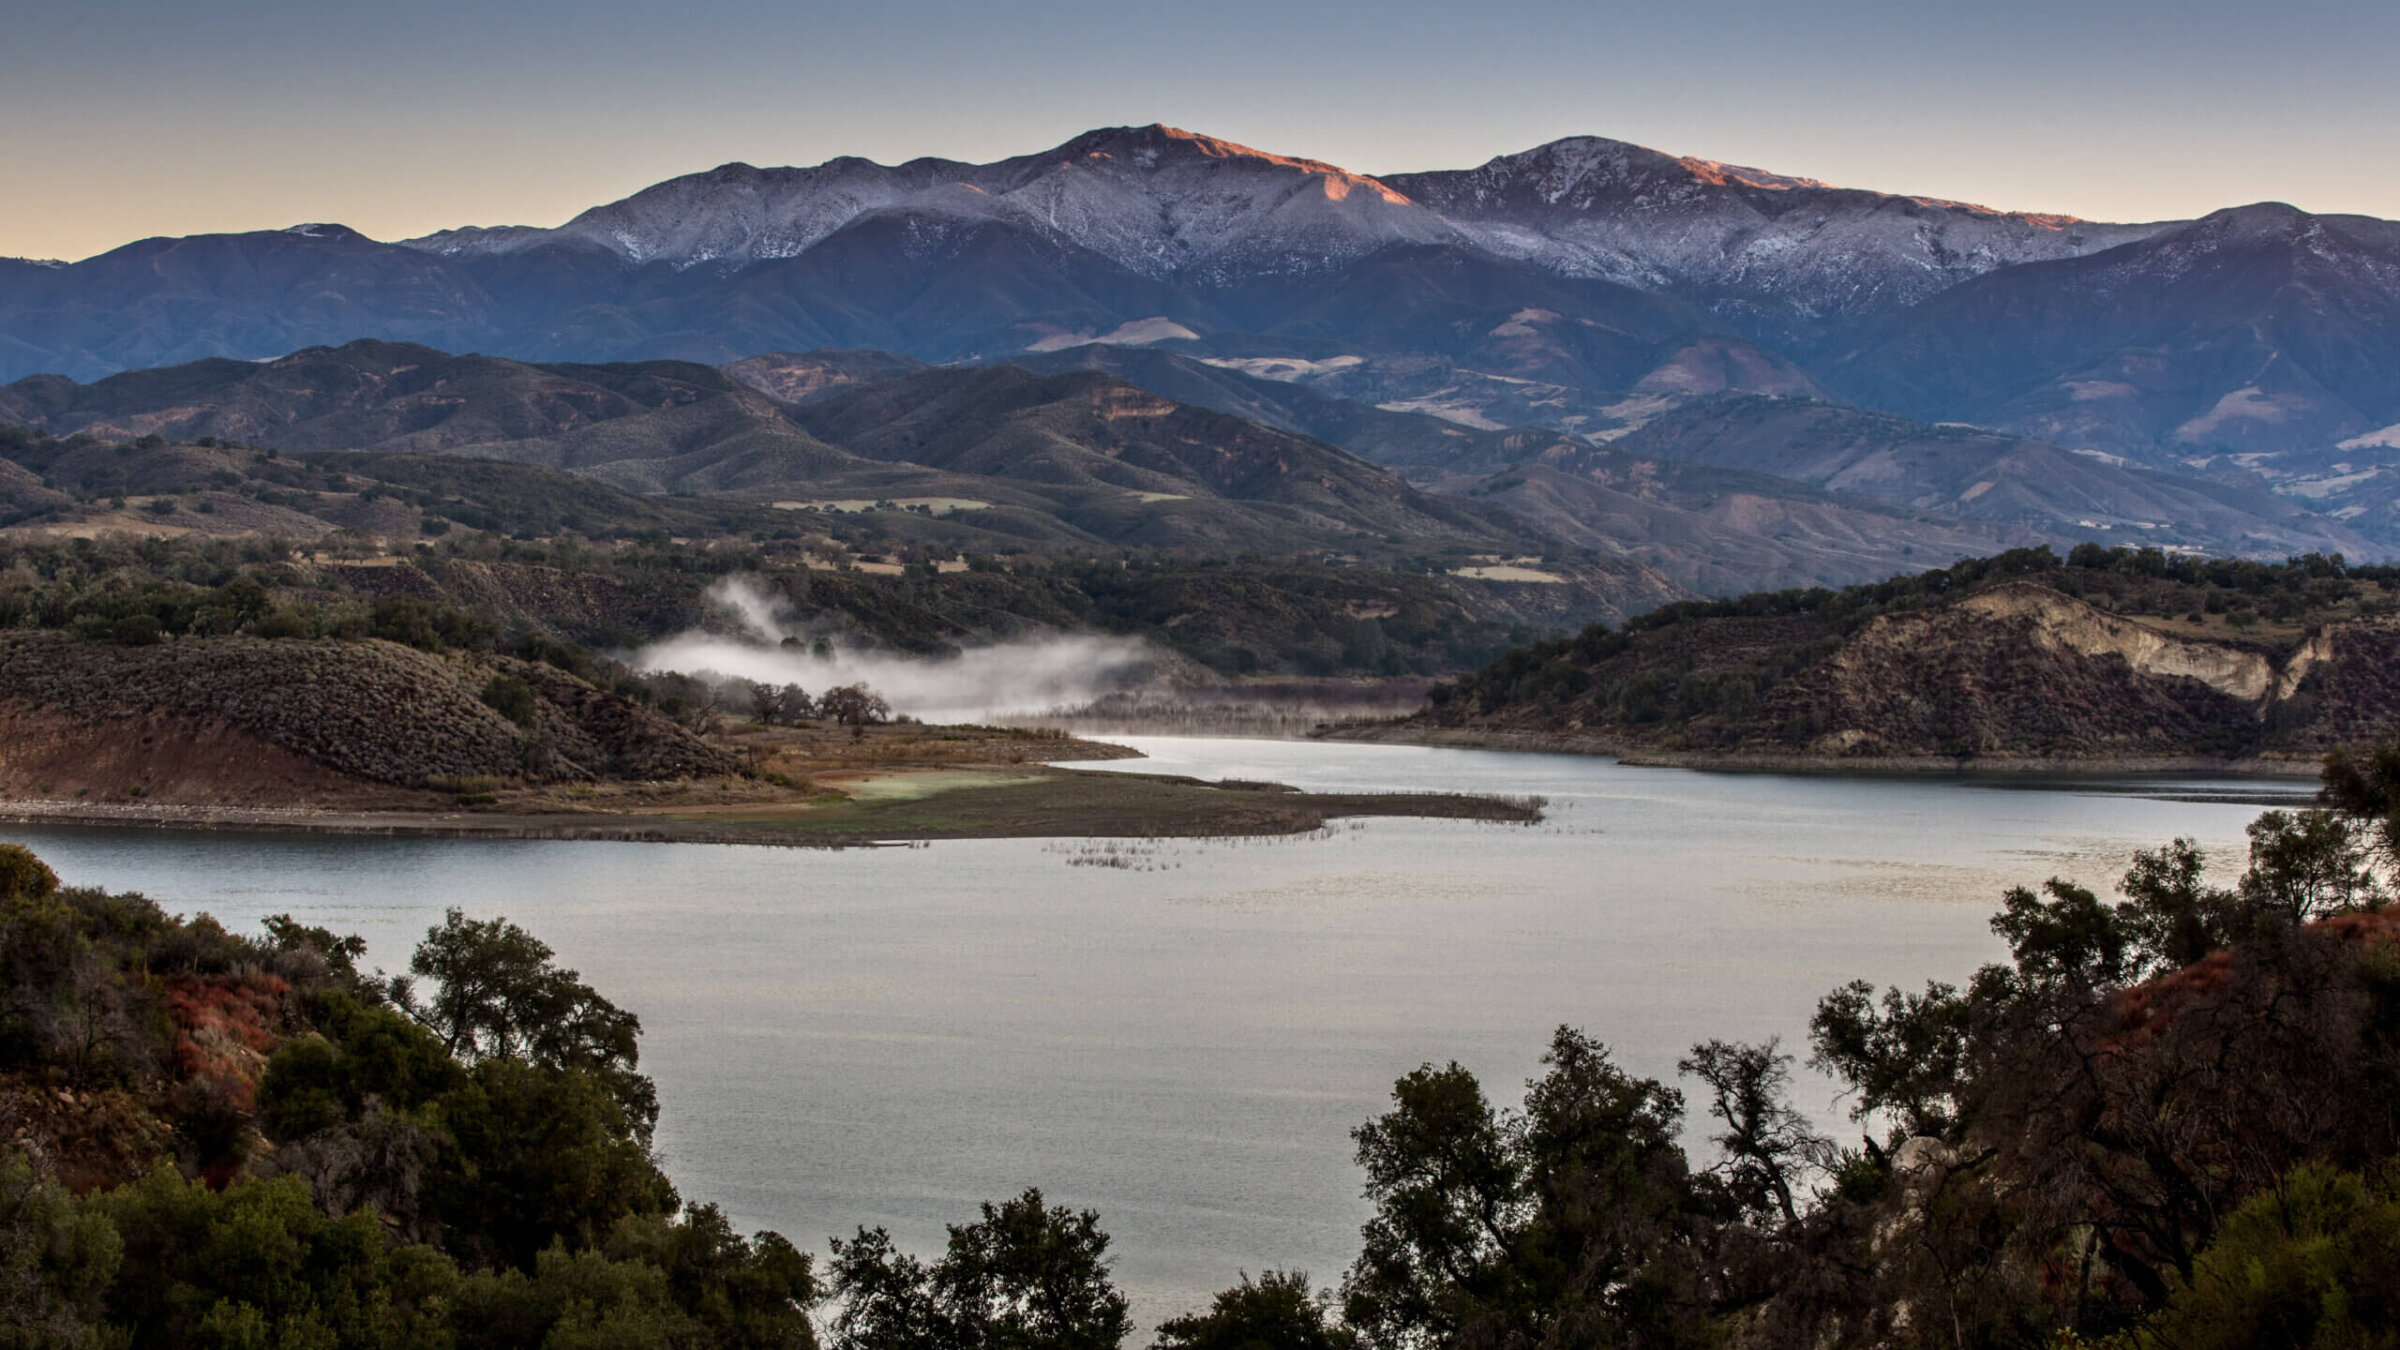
(1339, 182)
(1718, 174)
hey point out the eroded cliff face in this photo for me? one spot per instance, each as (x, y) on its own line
(2060, 622)
(2018, 670)
(2026, 670)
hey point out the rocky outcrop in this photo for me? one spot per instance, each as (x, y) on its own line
(2032, 675)
(2062, 623)
(2022, 669)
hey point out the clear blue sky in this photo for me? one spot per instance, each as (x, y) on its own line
(127, 118)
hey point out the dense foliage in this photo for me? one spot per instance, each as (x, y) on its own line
(430, 494)
(302, 1160)
(502, 550)
(557, 600)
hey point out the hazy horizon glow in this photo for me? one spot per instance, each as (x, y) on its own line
(134, 118)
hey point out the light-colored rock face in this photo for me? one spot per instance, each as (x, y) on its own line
(2061, 621)
(2315, 652)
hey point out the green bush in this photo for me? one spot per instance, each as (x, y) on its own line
(512, 698)
(2313, 1262)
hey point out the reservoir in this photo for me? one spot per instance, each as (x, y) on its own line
(1181, 1034)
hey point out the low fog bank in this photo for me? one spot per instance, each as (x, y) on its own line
(1002, 681)
(1285, 709)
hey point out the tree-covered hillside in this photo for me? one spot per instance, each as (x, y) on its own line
(2108, 652)
(223, 1140)
(484, 591)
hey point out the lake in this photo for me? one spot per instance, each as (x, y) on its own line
(1181, 1034)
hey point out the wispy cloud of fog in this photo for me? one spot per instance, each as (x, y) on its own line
(979, 684)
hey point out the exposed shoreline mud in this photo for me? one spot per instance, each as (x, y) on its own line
(1020, 803)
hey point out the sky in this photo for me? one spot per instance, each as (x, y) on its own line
(125, 119)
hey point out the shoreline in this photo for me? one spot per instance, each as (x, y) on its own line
(1562, 743)
(1045, 803)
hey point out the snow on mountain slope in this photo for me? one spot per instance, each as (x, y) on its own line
(732, 213)
(1790, 256)
(1166, 202)
(1782, 258)
(1156, 200)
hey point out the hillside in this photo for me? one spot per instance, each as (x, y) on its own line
(1107, 442)
(859, 579)
(1733, 480)
(645, 427)
(1725, 531)
(2113, 656)
(1051, 462)
(1969, 475)
(882, 458)
(219, 720)
(2257, 330)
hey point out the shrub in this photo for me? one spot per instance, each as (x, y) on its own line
(512, 698)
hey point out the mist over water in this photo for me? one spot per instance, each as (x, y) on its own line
(978, 684)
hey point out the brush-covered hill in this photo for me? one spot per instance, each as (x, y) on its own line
(2114, 656)
(1107, 446)
(210, 1136)
(1731, 480)
(1975, 476)
(1726, 531)
(654, 424)
(151, 487)
(238, 720)
(1084, 459)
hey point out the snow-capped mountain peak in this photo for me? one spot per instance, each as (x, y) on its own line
(1783, 255)
(1786, 254)
(1155, 199)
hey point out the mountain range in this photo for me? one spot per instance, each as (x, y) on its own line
(1137, 447)
(1071, 459)
(2231, 382)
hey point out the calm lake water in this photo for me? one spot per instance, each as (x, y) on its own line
(1182, 1034)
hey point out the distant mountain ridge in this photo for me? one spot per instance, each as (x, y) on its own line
(1154, 200)
(1145, 446)
(1587, 286)
(1078, 457)
(1779, 259)
(2222, 344)
(1790, 253)
(1151, 227)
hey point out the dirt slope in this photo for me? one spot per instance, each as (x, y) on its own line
(294, 718)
